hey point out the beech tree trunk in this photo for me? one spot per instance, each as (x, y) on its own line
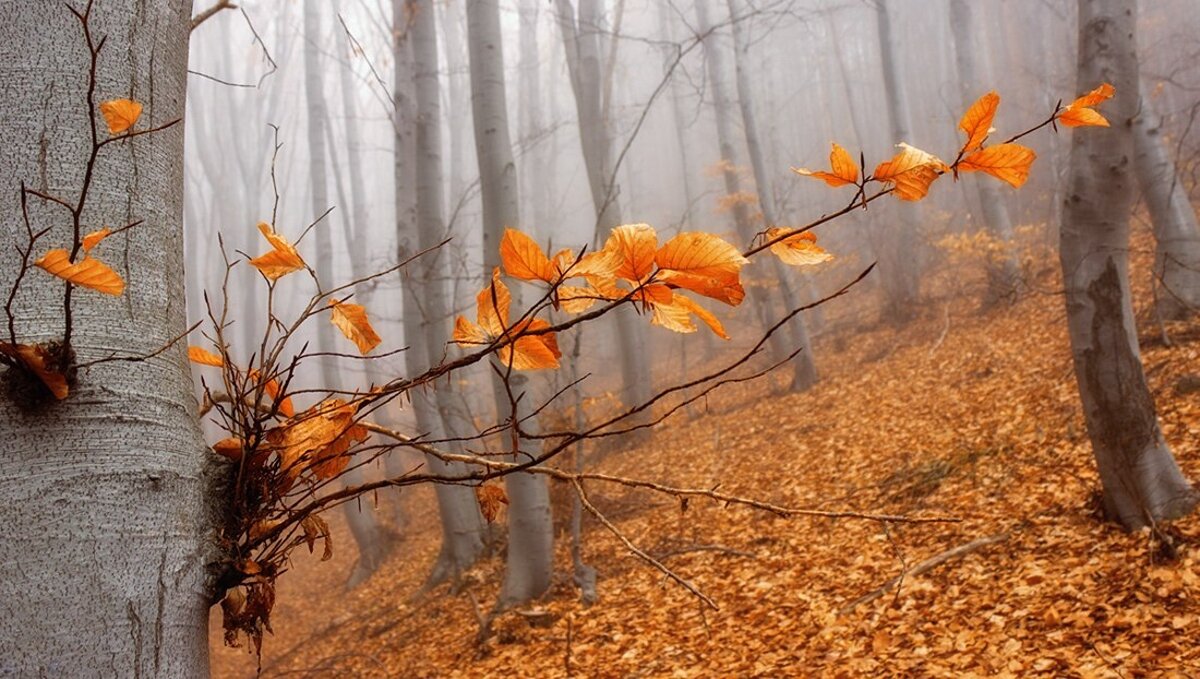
(1177, 256)
(530, 537)
(1142, 483)
(420, 204)
(899, 260)
(106, 497)
(1003, 276)
(804, 370)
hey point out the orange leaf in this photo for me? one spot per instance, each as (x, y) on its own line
(93, 239)
(574, 299)
(675, 313)
(281, 260)
(317, 439)
(704, 264)
(87, 272)
(204, 357)
(1007, 162)
(844, 169)
(633, 247)
(798, 250)
(1080, 114)
(120, 114)
(272, 389)
(231, 448)
(352, 320)
(490, 498)
(36, 359)
(531, 352)
(910, 172)
(467, 334)
(523, 258)
(977, 121)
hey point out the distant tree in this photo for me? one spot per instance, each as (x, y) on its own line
(1142, 482)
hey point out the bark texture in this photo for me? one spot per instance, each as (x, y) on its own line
(1142, 483)
(530, 532)
(1177, 256)
(104, 496)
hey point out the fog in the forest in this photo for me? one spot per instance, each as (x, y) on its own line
(670, 87)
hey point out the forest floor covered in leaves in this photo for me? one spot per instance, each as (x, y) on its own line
(960, 413)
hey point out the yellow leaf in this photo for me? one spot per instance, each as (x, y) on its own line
(490, 498)
(910, 172)
(87, 272)
(120, 114)
(1007, 162)
(798, 250)
(352, 320)
(977, 121)
(281, 260)
(704, 264)
(843, 169)
(523, 258)
(574, 299)
(633, 246)
(204, 357)
(37, 360)
(93, 239)
(1080, 114)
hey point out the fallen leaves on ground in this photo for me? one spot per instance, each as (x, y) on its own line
(961, 413)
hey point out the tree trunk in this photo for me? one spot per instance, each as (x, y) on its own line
(804, 370)
(106, 499)
(715, 47)
(530, 537)
(581, 46)
(426, 306)
(1003, 276)
(899, 256)
(1142, 483)
(1177, 256)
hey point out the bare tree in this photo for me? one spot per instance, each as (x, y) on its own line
(1142, 482)
(530, 537)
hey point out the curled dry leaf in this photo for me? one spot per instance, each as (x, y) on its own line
(317, 439)
(204, 357)
(120, 114)
(910, 172)
(704, 264)
(88, 272)
(315, 527)
(522, 352)
(352, 320)
(1007, 162)
(93, 239)
(1080, 112)
(843, 169)
(798, 250)
(490, 498)
(281, 260)
(977, 121)
(37, 359)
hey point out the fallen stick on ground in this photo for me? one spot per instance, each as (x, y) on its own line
(924, 567)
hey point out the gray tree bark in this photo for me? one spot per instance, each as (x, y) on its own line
(899, 261)
(804, 369)
(581, 46)
(1142, 483)
(420, 204)
(106, 496)
(1004, 278)
(530, 532)
(1177, 255)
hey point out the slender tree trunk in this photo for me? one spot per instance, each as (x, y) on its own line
(1003, 275)
(581, 46)
(420, 202)
(804, 370)
(1177, 256)
(1142, 482)
(715, 47)
(899, 260)
(106, 498)
(530, 532)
